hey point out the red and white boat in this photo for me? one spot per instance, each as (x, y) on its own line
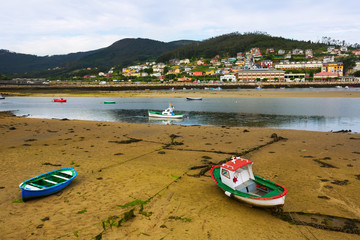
(237, 180)
(59, 100)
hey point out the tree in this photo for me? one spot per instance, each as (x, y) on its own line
(4, 77)
(357, 74)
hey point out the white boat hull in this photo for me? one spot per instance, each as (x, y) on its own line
(276, 202)
(165, 116)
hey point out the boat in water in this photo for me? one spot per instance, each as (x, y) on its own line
(167, 113)
(109, 102)
(194, 98)
(237, 180)
(2, 97)
(59, 100)
(47, 183)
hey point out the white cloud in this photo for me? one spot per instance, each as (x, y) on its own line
(46, 27)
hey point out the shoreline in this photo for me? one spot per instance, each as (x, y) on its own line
(245, 93)
(151, 180)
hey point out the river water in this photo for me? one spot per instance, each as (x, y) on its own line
(313, 114)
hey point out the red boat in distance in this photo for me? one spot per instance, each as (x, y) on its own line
(59, 100)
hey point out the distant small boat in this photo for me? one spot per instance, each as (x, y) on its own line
(47, 183)
(258, 88)
(167, 113)
(1, 97)
(194, 98)
(109, 102)
(338, 86)
(172, 89)
(59, 100)
(237, 180)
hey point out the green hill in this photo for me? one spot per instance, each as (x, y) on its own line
(231, 44)
(131, 51)
(121, 53)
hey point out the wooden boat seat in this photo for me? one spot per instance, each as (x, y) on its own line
(32, 186)
(64, 174)
(49, 181)
(61, 177)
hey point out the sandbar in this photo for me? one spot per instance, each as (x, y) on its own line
(141, 181)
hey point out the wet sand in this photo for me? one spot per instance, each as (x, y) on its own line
(138, 176)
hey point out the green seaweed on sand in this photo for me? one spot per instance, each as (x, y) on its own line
(82, 211)
(184, 219)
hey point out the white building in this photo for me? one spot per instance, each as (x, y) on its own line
(298, 65)
(228, 78)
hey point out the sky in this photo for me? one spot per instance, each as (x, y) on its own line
(51, 27)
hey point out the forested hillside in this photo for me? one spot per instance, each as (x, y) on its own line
(230, 44)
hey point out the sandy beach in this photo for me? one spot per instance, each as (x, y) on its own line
(143, 181)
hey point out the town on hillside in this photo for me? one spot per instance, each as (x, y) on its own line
(256, 65)
(252, 66)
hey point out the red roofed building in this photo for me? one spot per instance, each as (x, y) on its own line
(325, 76)
(197, 73)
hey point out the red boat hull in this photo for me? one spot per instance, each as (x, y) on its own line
(59, 100)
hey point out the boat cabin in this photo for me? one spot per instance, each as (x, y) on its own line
(237, 174)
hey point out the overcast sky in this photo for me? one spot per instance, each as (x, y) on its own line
(48, 27)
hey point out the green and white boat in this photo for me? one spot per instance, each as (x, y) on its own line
(167, 113)
(237, 180)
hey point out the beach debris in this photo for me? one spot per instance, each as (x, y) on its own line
(341, 131)
(320, 221)
(130, 140)
(45, 219)
(353, 138)
(324, 164)
(40, 226)
(51, 164)
(30, 140)
(339, 182)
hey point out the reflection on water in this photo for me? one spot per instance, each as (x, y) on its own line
(316, 114)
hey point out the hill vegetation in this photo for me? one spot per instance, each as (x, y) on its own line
(121, 53)
(131, 51)
(229, 45)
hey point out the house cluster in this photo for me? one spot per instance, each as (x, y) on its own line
(248, 66)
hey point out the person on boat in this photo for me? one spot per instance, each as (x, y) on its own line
(169, 110)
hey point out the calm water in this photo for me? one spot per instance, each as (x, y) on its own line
(315, 114)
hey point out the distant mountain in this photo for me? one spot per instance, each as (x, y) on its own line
(228, 45)
(11, 62)
(121, 53)
(129, 51)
